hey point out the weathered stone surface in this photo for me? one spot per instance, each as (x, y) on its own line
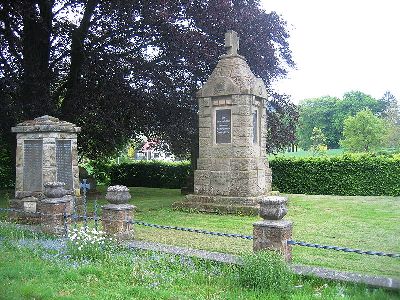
(232, 162)
(273, 235)
(47, 163)
(116, 218)
(53, 213)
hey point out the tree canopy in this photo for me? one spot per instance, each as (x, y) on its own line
(363, 132)
(121, 68)
(328, 114)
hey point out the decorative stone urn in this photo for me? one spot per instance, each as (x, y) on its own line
(118, 194)
(55, 189)
(273, 207)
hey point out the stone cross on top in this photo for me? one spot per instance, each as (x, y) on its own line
(231, 42)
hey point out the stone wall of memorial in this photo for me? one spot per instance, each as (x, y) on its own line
(46, 152)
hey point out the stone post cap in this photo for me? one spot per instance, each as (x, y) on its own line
(45, 124)
(273, 223)
(118, 207)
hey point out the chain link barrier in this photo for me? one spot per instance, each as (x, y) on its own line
(344, 249)
(233, 235)
(214, 233)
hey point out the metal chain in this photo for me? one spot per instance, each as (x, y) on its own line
(235, 235)
(344, 249)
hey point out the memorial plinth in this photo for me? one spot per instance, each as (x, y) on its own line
(46, 152)
(232, 173)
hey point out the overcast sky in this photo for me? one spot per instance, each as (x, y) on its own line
(341, 45)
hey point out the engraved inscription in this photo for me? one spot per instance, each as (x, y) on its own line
(64, 163)
(223, 126)
(33, 165)
(255, 127)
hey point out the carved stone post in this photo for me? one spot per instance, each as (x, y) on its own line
(116, 220)
(118, 215)
(55, 209)
(273, 233)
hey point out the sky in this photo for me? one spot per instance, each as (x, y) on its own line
(340, 46)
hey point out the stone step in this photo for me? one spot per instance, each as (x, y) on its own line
(216, 208)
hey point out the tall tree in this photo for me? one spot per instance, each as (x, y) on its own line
(329, 113)
(120, 68)
(364, 132)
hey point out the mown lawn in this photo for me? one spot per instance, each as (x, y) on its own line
(32, 266)
(367, 223)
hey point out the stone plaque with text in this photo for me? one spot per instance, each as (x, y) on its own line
(32, 177)
(64, 163)
(223, 126)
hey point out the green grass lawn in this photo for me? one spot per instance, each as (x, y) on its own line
(367, 223)
(35, 267)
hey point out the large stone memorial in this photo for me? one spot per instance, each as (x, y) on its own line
(46, 152)
(232, 173)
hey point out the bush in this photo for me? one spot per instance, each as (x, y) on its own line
(349, 174)
(150, 174)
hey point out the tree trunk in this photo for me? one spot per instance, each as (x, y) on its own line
(69, 104)
(35, 96)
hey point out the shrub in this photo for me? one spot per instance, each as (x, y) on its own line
(349, 174)
(150, 174)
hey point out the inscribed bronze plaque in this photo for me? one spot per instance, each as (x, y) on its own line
(33, 165)
(223, 126)
(64, 163)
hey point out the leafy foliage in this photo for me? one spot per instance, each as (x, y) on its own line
(150, 174)
(329, 113)
(122, 68)
(318, 140)
(350, 174)
(363, 132)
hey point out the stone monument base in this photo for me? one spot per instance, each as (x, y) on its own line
(220, 204)
(25, 210)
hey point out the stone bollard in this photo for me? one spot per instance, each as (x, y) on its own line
(52, 215)
(116, 218)
(118, 215)
(55, 209)
(272, 233)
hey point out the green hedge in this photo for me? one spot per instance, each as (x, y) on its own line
(150, 174)
(363, 175)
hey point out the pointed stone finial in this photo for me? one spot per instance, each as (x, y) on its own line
(231, 42)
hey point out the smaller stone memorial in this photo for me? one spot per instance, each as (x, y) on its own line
(46, 152)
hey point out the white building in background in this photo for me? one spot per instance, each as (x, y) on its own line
(152, 150)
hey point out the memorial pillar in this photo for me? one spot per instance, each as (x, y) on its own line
(46, 152)
(232, 173)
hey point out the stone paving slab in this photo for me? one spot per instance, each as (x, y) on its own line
(375, 281)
